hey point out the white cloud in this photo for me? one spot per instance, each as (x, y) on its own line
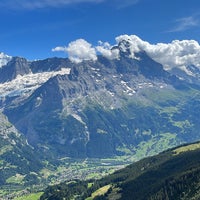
(175, 54)
(132, 43)
(60, 49)
(185, 23)
(30, 4)
(178, 53)
(38, 4)
(4, 59)
(78, 51)
(106, 50)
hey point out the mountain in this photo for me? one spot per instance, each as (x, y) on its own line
(103, 108)
(173, 174)
(17, 157)
(17, 66)
(125, 104)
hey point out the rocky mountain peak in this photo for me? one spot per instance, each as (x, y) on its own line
(49, 64)
(16, 66)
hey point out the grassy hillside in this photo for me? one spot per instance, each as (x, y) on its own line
(18, 161)
(173, 174)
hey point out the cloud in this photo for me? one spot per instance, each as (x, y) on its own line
(78, 51)
(39, 4)
(106, 50)
(35, 4)
(178, 53)
(4, 59)
(185, 23)
(60, 49)
(131, 43)
(175, 54)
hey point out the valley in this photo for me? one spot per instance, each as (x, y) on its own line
(167, 175)
(63, 121)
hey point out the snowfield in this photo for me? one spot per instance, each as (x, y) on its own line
(26, 84)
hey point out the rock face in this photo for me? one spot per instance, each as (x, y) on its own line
(17, 66)
(99, 109)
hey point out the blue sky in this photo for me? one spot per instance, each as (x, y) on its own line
(31, 28)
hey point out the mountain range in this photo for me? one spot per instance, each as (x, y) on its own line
(129, 105)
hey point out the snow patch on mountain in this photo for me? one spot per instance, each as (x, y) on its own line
(4, 59)
(26, 84)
